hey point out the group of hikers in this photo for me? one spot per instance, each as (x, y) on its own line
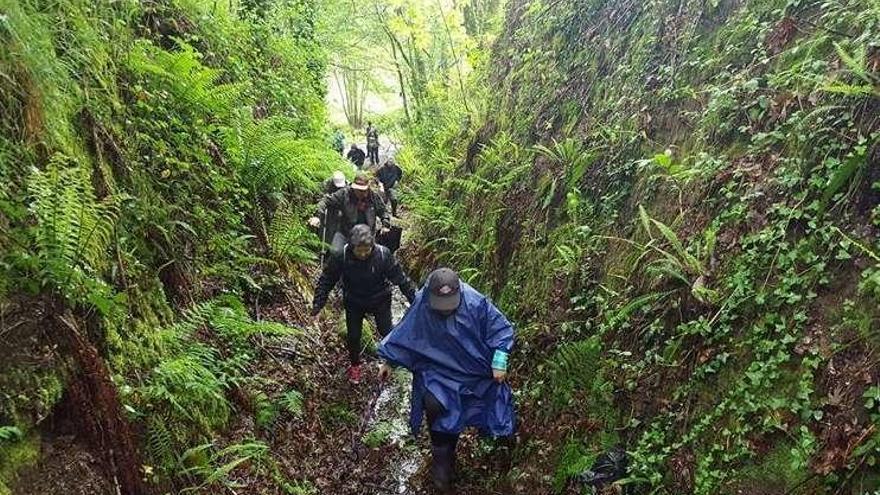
(453, 339)
(355, 154)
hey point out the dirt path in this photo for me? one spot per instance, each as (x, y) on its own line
(350, 439)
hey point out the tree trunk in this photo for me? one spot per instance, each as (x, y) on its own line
(401, 82)
(353, 91)
(95, 406)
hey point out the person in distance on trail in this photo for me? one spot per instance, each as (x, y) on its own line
(367, 269)
(389, 174)
(356, 156)
(354, 204)
(338, 141)
(456, 343)
(373, 144)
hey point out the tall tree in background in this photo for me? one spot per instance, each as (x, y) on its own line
(426, 47)
(352, 84)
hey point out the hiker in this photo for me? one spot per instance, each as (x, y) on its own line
(339, 141)
(389, 174)
(356, 156)
(456, 343)
(366, 269)
(336, 182)
(372, 144)
(354, 204)
(331, 223)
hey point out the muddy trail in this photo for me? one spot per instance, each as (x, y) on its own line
(352, 439)
(356, 439)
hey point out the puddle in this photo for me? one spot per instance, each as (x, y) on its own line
(392, 410)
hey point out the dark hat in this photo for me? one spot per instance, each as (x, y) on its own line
(445, 290)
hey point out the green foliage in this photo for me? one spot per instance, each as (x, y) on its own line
(574, 376)
(338, 414)
(782, 468)
(574, 458)
(291, 402)
(72, 233)
(184, 397)
(378, 435)
(705, 273)
(10, 433)
(212, 466)
(154, 155)
(17, 452)
(191, 86)
(290, 239)
(268, 411)
(569, 156)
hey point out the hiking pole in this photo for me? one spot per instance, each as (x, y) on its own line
(323, 236)
(366, 416)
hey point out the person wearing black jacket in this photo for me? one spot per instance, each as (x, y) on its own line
(372, 144)
(357, 156)
(367, 271)
(352, 205)
(389, 175)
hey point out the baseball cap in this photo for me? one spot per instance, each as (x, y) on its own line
(361, 182)
(444, 288)
(338, 179)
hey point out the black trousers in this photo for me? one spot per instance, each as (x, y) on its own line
(391, 197)
(354, 323)
(373, 153)
(433, 410)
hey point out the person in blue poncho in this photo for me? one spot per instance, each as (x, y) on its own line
(456, 343)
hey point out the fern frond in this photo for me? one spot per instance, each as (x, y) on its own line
(289, 238)
(292, 402)
(74, 228)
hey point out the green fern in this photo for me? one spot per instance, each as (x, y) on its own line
(265, 411)
(160, 443)
(574, 162)
(189, 390)
(182, 73)
(233, 325)
(574, 369)
(73, 228)
(214, 467)
(10, 434)
(290, 240)
(292, 402)
(272, 156)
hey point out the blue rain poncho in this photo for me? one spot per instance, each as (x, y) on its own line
(452, 358)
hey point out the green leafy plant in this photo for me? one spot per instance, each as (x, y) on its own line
(10, 434)
(378, 435)
(213, 466)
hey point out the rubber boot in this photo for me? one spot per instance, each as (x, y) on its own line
(443, 467)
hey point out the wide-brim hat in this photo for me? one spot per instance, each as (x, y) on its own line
(361, 182)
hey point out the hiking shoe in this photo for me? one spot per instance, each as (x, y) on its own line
(354, 374)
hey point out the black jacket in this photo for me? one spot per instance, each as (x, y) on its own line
(388, 175)
(357, 156)
(365, 283)
(341, 201)
(332, 223)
